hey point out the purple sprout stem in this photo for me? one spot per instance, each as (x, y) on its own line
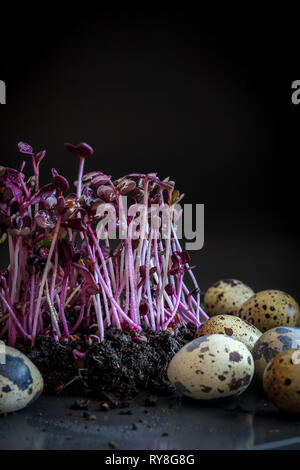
(191, 314)
(103, 263)
(142, 228)
(63, 294)
(98, 311)
(107, 291)
(179, 289)
(42, 285)
(127, 295)
(54, 274)
(132, 281)
(53, 313)
(31, 305)
(16, 321)
(199, 309)
(81, 313)
(148, 286)
(80, 174)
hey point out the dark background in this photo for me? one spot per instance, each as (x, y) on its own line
(204, 98)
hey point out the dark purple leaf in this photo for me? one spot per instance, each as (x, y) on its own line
(43, 252)
(106, 193)
(5, 220)
(77, 224)
(26, 221)
(43, 194)
(15, 190)
(125, 186)
(81, 150)
(9, 175)
(173, 271)
(40, 156)
(25, 148)
(61, 183)
(101, 179)
(169, 289)
(144, 308)
(70, 148)
(7, 195)
(45, 220)
(142, 271)
(184, 257)
(119, 249)
(89, 196)
(107, 252)
(89, 282)
(175, 258)
(153, 270)
(51, 202)
(66, 250)
(84, 150)
(61, 205)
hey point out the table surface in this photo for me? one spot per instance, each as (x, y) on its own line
(247, 422)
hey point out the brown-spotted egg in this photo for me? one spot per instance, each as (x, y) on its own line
(281, 380)
(271, 343)
(226, 297)
(211, 367)
(270, 308)
(20, 381)
(231, 326)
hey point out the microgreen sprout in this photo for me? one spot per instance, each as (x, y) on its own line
(64, 278)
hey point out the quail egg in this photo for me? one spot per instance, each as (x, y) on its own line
(281, 380)
(20, 381)
(270, 308)
(211, 367)
(231, 326)
(271, 343)
(226, 296)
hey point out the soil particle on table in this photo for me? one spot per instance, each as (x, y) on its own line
(80, 404)
(114, 370)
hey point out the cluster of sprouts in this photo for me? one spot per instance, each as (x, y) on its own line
(66, 275)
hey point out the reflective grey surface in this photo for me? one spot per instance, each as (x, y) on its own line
(247, 422)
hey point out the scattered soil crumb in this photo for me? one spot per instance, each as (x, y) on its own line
(89, 416)
(112, 444)
(125, 412)
(103, 406)
(151, 400)
(80, 404)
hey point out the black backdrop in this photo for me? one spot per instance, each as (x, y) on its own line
(204, 98)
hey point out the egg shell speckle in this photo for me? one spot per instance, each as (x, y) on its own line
(281, 380)
(271, 343)
(226, 297)
(270, 308)
(231, 326)
(211, 367)
(20, 381)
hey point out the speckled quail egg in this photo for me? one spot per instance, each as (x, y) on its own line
(271, 343)
(211, 367)
(281, 380)
(270, 308)
(20, 381)
(226, 297)
(231, 326)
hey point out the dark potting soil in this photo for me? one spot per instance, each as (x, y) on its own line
(114, 370)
